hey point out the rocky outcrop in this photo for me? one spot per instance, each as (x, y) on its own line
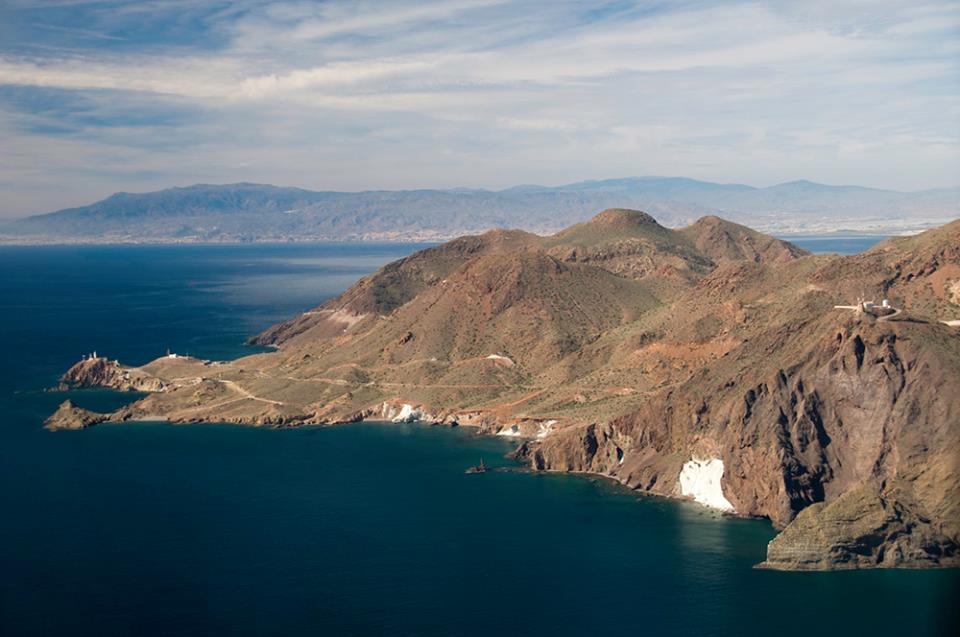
(860, 529)
(69, 416)
(103, 372)
(397, 410)
(590, 448)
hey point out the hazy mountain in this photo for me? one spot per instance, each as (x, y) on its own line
(255, 212)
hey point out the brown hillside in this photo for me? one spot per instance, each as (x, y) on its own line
(632, 244)
(392, 286)
(724, 241)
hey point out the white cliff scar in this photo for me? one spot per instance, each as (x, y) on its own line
(408, 413)
(700, 479)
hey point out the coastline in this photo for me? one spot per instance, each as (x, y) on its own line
(427, 238)
(388, 348)
(490, 426)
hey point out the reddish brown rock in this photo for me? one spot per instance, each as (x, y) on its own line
(103, 372)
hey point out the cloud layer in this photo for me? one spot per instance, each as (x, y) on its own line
(103, 95)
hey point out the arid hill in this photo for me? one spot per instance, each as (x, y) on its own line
(723, 240)
(707, 362)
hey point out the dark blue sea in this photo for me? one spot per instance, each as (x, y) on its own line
(150, 529)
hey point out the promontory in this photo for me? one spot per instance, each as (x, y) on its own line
(710, 362)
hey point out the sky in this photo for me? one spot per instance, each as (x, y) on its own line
(100, 96)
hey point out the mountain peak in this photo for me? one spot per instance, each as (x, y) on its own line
(712, 221)
(724, 240)
(623, 217)
(800, 182)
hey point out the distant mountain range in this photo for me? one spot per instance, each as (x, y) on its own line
(257, 212)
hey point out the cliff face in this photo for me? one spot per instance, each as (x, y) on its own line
(708, 363)
(871, 407)
(861, 529)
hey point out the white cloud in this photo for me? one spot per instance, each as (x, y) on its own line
(490, 92)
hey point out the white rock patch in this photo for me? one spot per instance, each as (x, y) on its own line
(544, 429)
(513, 431)
(701, 480)
(408, 413)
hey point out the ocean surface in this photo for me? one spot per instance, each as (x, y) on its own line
(847, 244)
(150, 529)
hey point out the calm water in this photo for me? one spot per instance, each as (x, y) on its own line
(840, 245)
(373, 529)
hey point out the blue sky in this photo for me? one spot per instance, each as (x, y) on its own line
(98, 96)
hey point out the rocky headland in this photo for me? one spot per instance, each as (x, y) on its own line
(69, 416)
(708, 363)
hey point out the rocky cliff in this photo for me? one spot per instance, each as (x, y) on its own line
(103, 372)
(869, 407)
(861, 529)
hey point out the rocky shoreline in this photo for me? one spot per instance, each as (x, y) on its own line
(861, 530)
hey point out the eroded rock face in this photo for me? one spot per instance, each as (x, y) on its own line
(69, 416)
(867, 406)
(590, 448)
(860, 529)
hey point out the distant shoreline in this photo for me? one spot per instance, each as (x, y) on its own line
(35, 242)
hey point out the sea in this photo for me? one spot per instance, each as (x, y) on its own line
(835, 244)
(149, 529)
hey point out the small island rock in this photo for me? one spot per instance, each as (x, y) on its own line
(69, 416)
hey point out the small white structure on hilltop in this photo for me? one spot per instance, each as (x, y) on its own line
(864, 306)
